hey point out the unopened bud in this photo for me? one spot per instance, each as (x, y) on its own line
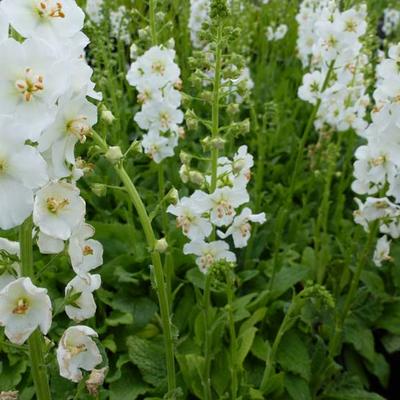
(173, 196)
(161, 245)
(186, 158)
(191, 120)
(233, 109)
(135, 147)
(171, 43)
(114, 154)
(196, 177)
(107, 116)
(133, 51)
(99, 189)
(218, 143)
(184, 173)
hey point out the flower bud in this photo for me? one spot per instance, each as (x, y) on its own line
(172, 196)
(161, 245)
(196, 177)
(133, 51)
(107, 116)
(171, 43)
(99, 189)
(218, 143)
(233, 109)
(191, 120)
(114, 154)
(184, 173)
(135, 147)
(186, 158)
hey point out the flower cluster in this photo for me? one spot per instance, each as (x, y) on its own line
(202, 213)
(119, 22)
(156, 77)
(378, 163)
(391, 21)
(274, 34)
(45, 84)
(329, 43)
(94, 10)
(199, 14)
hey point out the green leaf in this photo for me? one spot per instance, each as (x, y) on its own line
(196, 277)
(119, 318)
(358, 335)
(11, 375)
(130, 386)
(149, 357)
(391, 343)
(390, 319)
(257, 317)
(293, 355)
(287, 277)
(192, 366)
(297, 387)
(245, 341)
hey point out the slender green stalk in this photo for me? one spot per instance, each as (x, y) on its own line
(153, 28)
(306, 134)
(215, 108)
(233, 337)
(340, 320)
(35, 342)
(156, 260)
(158, 273)
(207, 339)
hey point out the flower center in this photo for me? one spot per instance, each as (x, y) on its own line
(165, 119)
(351, 26)
(87, 251)
(184, 222)
(224, 208)
(30, 84)
(206, 260)
(55, 205)
(77, 349)
(3, 166)
(21, 307)
(47, 9)
(376, 162)
(79, 127)
(158, 67)
(245, 229)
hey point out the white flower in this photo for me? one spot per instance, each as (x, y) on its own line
(23, 308)
(58, 210)
(77, 351)
(84, 306)
(85, 253)
(158, 147)
(224, 201)
(382, 251)
(157, 66)
(44, 18)
(311, 88)
(74, 120)
(241, 228)
(49, 245)
(22, 170)
(94, 9)
(32, 78)
(189, 212)
(208, 253)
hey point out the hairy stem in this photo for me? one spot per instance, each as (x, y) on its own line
(35, 342)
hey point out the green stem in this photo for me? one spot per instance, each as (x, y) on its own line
(35, 341)
(305, 136)
(153, 29)
(207, 340)
(215, 108)
(158, 273)
(233, 337)
(335, 341)
(156, 260)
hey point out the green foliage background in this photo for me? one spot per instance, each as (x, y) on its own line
(275, 296)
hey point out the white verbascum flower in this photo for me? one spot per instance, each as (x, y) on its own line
(44, 18)
(4, 26)
(241, 228)
(49, 245)
(189, 215)
(84, 306)
(209, 253)
(22, 170)
(224, 202)
(382, 251)
(94, 9)
(58, 210)
(73, 123)
(32, 77)
(77, 351)
(24, 308)
(85, 253)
